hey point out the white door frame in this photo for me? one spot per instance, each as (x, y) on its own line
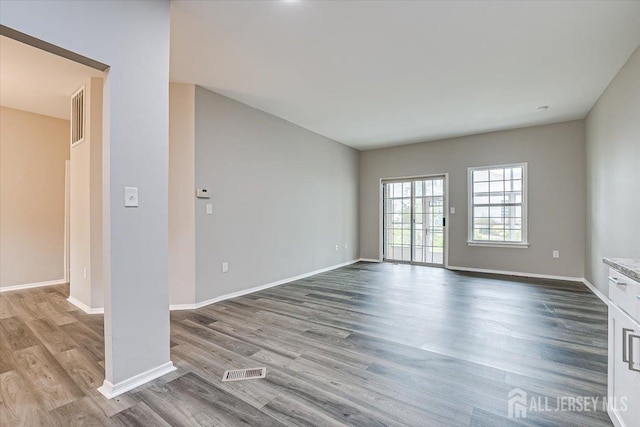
(67, 200)
(445, 214)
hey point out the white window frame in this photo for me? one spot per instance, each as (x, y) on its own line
(525, 213)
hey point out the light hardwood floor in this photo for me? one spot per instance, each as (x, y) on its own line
(367, 345)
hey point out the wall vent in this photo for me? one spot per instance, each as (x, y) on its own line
(77, 117)
(244, 374)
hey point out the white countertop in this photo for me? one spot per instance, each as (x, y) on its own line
(626, 266)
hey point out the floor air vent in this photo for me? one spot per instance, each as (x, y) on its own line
(244, 374)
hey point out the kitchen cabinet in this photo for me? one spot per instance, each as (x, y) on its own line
(624, 350)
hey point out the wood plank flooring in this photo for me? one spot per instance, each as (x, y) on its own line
(364, 345)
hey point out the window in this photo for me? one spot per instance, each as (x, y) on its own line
(498, 205)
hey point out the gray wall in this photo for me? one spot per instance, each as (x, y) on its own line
(133, 39)
(283, 198)
(613, 173)
(556, 157)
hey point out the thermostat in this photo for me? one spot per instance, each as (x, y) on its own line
(202, 193)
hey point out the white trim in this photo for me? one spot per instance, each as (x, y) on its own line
(411, 177)
(615, 418)
(84, 307)
(499, 244)
(369, 260)
(33, 285)
(177, 307)
(524, 205)
(596, 291)
(67, 199)
(584, 281)
(516, 273)
(110, 390)
(446, 215)
(257, 288)
(381, 220)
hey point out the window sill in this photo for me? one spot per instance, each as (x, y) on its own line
(499, 245)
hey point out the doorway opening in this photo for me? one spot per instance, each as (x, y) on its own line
(45, 237)
(414, 221)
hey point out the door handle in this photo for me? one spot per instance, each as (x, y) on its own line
(625, 343)
(630, 345)
(615, 281)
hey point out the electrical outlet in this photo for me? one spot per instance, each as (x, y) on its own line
(345, 245)
(452, 210)
(84, 273)
(556, 254)
(336, 247)
(209, 209)
(225, 267)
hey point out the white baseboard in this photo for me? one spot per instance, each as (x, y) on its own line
(112, 390)
(615, 418)
(84, 307)
(369, 260)
(257, 288)
(516, 273)
(33, 285)
(176, 307)
(582, 280)
(596, 291)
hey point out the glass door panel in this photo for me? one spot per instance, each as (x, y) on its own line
(397, 221)
(413, 221)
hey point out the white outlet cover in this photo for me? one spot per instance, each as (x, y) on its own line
(209, 209)
(452, 210)
(225, 267)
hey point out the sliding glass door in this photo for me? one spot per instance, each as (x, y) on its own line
(413, 220)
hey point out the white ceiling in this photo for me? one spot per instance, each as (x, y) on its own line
(37, 81)
(383, 73)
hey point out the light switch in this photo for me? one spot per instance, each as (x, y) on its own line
(209, 209)
(131, 196)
